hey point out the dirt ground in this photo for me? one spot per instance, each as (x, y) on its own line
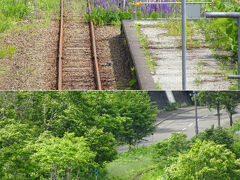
(33, 66)
(113, 61)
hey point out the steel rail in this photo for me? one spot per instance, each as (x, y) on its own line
(60, 48)
(94, 49)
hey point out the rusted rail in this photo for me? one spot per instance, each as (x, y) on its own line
(60, 48)
(94, 49)
(93, 46)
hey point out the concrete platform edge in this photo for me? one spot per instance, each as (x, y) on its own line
(143, 73)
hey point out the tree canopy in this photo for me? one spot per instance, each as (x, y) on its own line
(68, 134)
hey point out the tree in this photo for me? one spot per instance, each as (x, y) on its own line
(205, 160)
(139, 112)
(212, 99)
(129, 116)
(67, 157)
(103, 144)
(13, 138)
(220, 99)
(230, 101)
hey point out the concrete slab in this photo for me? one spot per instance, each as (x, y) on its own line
(203, 69)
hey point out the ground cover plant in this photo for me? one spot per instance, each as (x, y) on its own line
(68, 135)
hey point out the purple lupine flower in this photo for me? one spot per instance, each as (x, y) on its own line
(108, 7)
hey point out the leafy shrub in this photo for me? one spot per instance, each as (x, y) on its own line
(218, 135)
(236, 148)
(68, 156)
(222, 32)
(101, 16)
(205, 160)
(167, 150)
(171, 106)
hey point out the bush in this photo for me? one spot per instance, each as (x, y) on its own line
(236, 149)
(205, 160)
(102, 16)
(219, 136)
(171, 106)
(168, 149)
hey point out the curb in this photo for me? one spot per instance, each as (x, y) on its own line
(142, 71)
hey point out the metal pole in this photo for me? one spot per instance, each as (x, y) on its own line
(238, 52)
(135, 9)
(183, 45)
(196, 115)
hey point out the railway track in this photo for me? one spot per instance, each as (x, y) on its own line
(78, 66)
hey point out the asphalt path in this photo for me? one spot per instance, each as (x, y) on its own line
(183, 120)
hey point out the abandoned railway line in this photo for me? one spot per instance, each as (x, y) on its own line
(82, 63)
(77, 58)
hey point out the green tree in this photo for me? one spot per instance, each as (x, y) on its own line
(139, 112)
(68, 157)
(230, 101)
(103, 144)
(220, 99)
(212, 99)
(205, 160)
(13, 138)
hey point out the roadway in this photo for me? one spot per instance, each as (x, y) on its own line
(183, 120)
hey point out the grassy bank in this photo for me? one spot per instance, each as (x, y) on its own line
(19, 15)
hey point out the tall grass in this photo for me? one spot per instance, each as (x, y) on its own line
(11, 13)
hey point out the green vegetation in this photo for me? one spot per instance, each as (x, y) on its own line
(205, 160)
(220, 100)
(102, 17)
(144, 44)
(213, 154)
(13, 14)
(171, 106)
(198, 81)
(7, 51)
(131, 164)
(67, 135)
(174, 28)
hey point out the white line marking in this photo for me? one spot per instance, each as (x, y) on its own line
(190, 124)
(183, 129)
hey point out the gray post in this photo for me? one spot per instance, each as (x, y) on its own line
(196, 115)
(238, 52)
(135, 9)
(183, 45)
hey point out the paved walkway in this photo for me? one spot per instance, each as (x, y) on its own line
(203, 70)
